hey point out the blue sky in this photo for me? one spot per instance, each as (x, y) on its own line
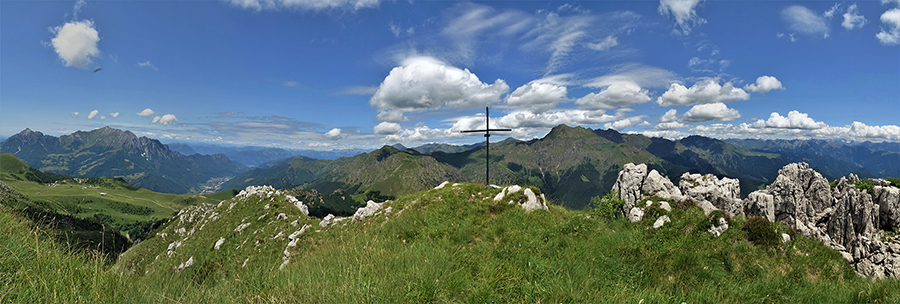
(363, 73)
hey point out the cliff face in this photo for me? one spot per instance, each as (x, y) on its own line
(843, 217)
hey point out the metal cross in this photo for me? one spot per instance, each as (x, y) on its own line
(487, 143)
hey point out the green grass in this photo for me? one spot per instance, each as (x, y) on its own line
(448, 245)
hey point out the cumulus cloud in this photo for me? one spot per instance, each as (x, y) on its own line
(92, 114)
(146, 112)
(890, 30)
(306, 5)
(708, 112)
(705, 91)
(165, 119)
(856, 131)
(76, 43)
(684, 11)
(764, 84)
(670, 116)
(74, 114)
(424, 83)
(625, 123)
(607, 43)
(852, 18)
(114, 115)
(794, 120)
(804, 21)
(537, 96)
(334, 133)
(616, 95)
(387, 128)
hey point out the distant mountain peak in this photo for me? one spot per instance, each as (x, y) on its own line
(564, 131)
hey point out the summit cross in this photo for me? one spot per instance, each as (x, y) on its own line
(487, 143)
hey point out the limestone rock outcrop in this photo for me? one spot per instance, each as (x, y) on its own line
(531, 201)
(634, 181)
(705, 190)
(845, 218)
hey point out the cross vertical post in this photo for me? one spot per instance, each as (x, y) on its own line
(487, 143)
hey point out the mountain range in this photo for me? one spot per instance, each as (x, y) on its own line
(109, 152)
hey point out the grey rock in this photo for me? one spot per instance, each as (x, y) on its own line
(326, 221)
(532, 202)
(629, 183)
(785, 238)
(717, 230)
(635, 214)
(760, 203)
(656, 184)
(723, 194)
(665, 206)
(888, 200)
(367, 211)
(662, 220)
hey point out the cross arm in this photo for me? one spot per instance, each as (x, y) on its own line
(473, 131)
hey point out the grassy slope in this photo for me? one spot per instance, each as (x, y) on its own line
(125, 207)
(453, 245)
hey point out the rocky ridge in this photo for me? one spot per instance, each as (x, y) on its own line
(848, 219)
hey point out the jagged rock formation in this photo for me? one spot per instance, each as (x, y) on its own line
(634, 181)
(845, 218)
(530, 201)
(708, 190)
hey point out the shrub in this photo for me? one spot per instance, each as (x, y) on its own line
(609, 206)
(866, 184)
(895, 182)
(760, 231)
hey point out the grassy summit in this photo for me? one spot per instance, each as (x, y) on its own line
(454, 244)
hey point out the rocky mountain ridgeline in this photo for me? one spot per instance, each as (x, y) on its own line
(261, 222)
(858, 224)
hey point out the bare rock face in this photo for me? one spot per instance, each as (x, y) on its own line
(634, 181)
(844, 218)
(367, 211)
(888, 200)
(723, 194)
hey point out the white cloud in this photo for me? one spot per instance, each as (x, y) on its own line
(74, 114)
(92, 114)
(307, 5)
(76, 43)
(852, 18)
(424, 83)
(146, 112)
(670, 116)
(703, 92)
(764, 84)
(359, 90)
(794, 120)
(290, 83)
(114, 115)
(607, 43)
(644, 76)
(387, 128)
(830, 12)
(147, 64)
(890, 32)
(616, 95)
(803, 20)
(708, 65)
(537, 96)
(685, 13)
(856, 131)
(102, 117)
(625, 123)
(708, 112)
(334, 133)
(165, 119)
(559, 35)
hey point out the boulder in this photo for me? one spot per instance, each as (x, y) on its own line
(367, 211)
(723, 194)
(326, 221)
(629, 183)
(760, 203)
(635, 214)
(662, 220)
(656, 184)
(532, 202)
(717, 230)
